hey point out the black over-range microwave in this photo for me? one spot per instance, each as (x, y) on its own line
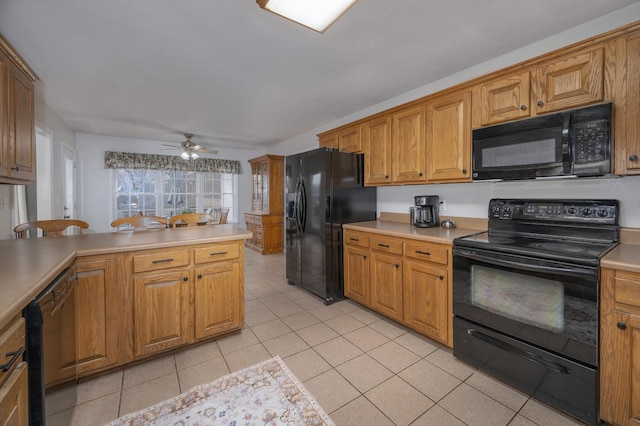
(569, 143)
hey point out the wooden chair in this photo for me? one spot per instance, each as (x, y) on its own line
(190, 219)
(140, 221)
(50, 228)
(223, 216)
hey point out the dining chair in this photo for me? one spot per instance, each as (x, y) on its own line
(140, 222)
(223, 216)
(190, 219)
(50, 228)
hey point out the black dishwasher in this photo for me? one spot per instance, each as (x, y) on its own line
(50, 341)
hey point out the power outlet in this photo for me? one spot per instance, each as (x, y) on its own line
(443, 206)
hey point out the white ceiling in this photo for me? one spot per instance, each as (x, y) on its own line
(238, 76)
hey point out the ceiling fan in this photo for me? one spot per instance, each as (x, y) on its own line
(189, 149)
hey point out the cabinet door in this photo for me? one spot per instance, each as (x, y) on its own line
(620, 369)
(377, 148)
(97, 300)
(21, 126)
(449, 138)
(356, 274)
(161, 311)
(503, 99)
(350, 139)
(426, 301)
(569, 82)
(386, 284)
(14, 404)
(408, 150)
(218, 295)
(628, 149)
(329, 140)
(4, 131)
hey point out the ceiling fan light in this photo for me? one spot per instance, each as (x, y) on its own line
(315, 14)
(184, 155)
(194, 156)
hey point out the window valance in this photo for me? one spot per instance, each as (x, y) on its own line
(129, 160)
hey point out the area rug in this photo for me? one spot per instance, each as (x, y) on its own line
(264, 394)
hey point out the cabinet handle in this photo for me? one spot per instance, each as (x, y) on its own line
(633, 157)
(420, 174)
(397, 265)
(383, 245)
(15, 356)
(162, 260)
(621, 326)
(540, 103)
(386, 176)
(199, 276)
(354, 239)
(523, 107)
(426, 253)
(185, 278)
(441, 277)
(364, 256)
(16, 168)
(218, 253)
(464, 171)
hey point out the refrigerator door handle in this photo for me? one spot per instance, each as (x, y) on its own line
(303, 206)
(297, 207)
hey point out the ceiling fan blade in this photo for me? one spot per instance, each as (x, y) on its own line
(172, 146)
(205, 150)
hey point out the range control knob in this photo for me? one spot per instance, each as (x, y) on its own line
(586, 211)
(602, 213)
(572, 210)
(506, 211)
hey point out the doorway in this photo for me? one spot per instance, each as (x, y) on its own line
(69, 186)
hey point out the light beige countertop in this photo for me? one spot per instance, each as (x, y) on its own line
(404, 230)
(624, 256)
(28, 265)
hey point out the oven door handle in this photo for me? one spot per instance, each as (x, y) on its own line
(576, 272)
(553, 366)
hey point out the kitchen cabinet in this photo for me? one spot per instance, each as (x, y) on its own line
(17, 125)
(426, 289)
(328, 140)
(620, 347)
(14, 407)
(404, 279)
(448, 138)
(350, 139)
(408, 145)
(184, 295)
(627, 106)
(564, 82)
(376, 135)
(266, 219)
(98, 299)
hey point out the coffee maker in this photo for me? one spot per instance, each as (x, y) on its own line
(425, 212)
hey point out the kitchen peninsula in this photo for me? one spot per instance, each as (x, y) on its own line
(138, 293)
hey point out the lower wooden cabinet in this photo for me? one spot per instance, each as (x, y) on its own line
(406, 280)
(268, 232)
(219, 299)
(14, 403)
(98, 297)
(620, 348)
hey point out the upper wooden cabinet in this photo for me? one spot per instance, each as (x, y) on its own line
(448, 139)
(376, 135)
(408, 145)
(350, 139)
(17, 131)
(503, 99)
(266, 219)
(328, 140)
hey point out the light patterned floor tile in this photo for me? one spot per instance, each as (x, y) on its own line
(337, 351)
(430, 379)
(200, 374)
(331, 390)
(364, 372)
(317, 334)
(399, 401)
(307, 364)
(393, 356)
(360, 411)
(475, 408)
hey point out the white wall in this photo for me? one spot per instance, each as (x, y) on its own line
(95, 198)
(471, 200)
(61, 134)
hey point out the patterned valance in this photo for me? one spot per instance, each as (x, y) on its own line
(129, 160)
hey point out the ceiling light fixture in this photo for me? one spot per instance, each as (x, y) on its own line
(189, 155)
(315, 14)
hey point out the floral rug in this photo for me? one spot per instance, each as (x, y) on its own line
(264, 394)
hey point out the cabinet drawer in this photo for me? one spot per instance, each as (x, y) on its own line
(157, 261)
(386, 244)
(11, 347)
(221, 251)
(356, 238)
(627, 289)
(425, 251)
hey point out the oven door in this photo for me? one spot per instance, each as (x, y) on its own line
(548, 304)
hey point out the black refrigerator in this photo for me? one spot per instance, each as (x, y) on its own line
(324, 189)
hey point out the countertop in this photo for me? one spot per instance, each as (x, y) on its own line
(405, 230)
(624, 256)
(29, 265)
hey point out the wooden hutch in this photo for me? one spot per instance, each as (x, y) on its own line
(266, 219)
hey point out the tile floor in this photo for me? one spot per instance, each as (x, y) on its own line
(362, 368)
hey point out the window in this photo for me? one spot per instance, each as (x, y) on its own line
(167, 193)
